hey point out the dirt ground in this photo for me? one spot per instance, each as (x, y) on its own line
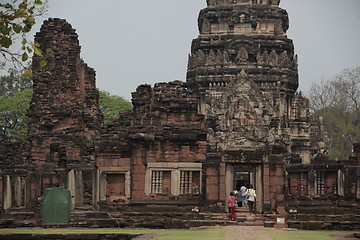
(246, 233)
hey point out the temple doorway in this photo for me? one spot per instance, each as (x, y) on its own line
(244, 175)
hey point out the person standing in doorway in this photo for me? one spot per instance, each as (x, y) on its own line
(243, 196)
(231, 204)
(251, 195)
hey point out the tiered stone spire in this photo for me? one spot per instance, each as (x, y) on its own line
(245, 72)
(248, 35)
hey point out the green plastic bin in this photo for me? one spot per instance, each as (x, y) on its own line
(56, 207)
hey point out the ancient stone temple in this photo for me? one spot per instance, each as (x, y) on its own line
(237, 120)
(244, 70)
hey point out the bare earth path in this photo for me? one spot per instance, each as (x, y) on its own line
(246, 233)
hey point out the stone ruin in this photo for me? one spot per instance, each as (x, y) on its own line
(237, 120)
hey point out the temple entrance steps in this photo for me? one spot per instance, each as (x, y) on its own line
(324, 214)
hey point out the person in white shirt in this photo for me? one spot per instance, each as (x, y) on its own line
(251, 195)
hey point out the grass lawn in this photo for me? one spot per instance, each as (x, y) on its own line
(304, 235)
(204, 234)
(211, 234)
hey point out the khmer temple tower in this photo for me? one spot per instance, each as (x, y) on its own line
(244, 70)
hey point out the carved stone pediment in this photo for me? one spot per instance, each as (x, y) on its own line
(244, 114)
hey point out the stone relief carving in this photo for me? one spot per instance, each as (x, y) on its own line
(273, 58)
(285, 60)
(278, 27)
(211, 60)
(200, 58)
(220, 57)
(266, 58)
(226, 57)
(243, 116)
(212, 3)
(206, 26)
(242, 56)
(242, 18)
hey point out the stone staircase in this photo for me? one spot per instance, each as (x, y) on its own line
(243, 217)
(324, 215)
(18, 217)
(145, 217)
(162, 219)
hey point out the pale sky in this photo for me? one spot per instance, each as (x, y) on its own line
(130, 43)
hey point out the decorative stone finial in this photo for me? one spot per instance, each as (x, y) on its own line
(212, 3)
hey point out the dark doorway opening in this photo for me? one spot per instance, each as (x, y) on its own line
(242, 179)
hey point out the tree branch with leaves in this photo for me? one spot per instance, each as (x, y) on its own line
(17, 18)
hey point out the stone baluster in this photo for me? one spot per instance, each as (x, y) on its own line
(182, 179)
(190, 181)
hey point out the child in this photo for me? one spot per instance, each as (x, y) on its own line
(231, 204)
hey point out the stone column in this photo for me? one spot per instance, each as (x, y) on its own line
(103, 186)
(175, 182)
(71, 186)
(229, 182)
(340, 183)
(18, 191)
(27, 191)
(128, 184)
(7, 193)
(222, 182)
(266, 188)
(259, 189)
(79, 186)
(312, 182)
(148, 181)
(229, 179)
(95, 188)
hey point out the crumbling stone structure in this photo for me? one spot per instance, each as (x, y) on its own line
(237, 120)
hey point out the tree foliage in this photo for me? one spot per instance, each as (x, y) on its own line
(14, 82)
(111, 105)
(17, 18)
(15, 96)
(13, 122)
(338, 101)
